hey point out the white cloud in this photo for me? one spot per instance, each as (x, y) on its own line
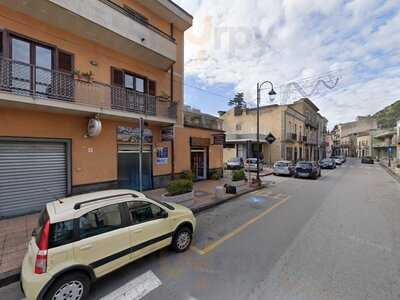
(243, 42)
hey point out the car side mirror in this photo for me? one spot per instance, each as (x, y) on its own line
(164, 214)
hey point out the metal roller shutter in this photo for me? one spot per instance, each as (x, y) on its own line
(31, 174)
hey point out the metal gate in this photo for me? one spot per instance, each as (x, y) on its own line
(32, 173)
(128, 167)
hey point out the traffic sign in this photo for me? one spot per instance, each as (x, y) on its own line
(270, 138)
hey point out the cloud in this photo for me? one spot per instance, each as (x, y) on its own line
(243, 42)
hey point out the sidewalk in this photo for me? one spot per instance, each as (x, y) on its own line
(392, 170)
(16, 232)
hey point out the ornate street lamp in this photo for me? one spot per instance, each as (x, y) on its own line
(271, 95)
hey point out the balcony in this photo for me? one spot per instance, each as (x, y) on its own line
(104, 23)
(30, 84)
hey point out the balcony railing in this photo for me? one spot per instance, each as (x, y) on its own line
(291, 137)
(30, 80)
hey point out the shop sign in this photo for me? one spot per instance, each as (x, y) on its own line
(94, 127)
(219, 139)
(162, 156)
(199, 142)
(132, 135)
(167, 134)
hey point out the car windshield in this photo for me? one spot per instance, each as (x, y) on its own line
(325, 161)
(282, 164)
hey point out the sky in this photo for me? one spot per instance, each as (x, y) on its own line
(343, 55)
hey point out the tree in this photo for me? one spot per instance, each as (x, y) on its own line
(237, 101)
(221, 113)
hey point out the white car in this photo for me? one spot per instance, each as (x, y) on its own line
(251, 164)
(284, 167)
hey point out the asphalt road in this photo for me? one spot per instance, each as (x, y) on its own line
(337, 237)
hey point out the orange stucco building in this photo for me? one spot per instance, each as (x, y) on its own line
(66, 62)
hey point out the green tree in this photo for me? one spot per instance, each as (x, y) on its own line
(237, 101)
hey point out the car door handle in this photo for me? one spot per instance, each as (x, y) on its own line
(86, 247)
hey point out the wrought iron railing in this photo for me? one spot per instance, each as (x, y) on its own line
(31, 80)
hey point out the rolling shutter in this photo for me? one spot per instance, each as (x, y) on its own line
(31, 174)
(117, 77)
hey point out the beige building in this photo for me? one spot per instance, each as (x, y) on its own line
(315, 129)
(348, 133)
(364, 144)
(295, 139)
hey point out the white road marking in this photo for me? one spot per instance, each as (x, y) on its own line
(135, 289)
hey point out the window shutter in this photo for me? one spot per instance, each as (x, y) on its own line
(65, 62)
(117, 77)
(152, 88)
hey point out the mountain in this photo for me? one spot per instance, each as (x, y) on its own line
(388, 116)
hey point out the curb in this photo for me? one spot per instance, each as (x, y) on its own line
(200, 209)
(391, 172)
(9, 277)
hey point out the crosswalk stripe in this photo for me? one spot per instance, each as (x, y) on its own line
(135, 289)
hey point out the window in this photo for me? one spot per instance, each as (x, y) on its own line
(99, 221)
(238, 127)
(134, 82)
(61, 233)
(141, 211)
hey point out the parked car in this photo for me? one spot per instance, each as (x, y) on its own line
(327, 163)
(82, 238)
(308, 169)
(343, 158)
(337, 160)
(284, 167)
(235, 163)
(367, 160)
(251, 164)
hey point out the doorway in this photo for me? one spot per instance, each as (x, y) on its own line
(128, 167)
(198, 160)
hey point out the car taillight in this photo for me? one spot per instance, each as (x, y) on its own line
(41, 256)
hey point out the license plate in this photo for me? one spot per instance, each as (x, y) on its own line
(303, 174)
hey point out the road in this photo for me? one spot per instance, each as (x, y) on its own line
(333, 238)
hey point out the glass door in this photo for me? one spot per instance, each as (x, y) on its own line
(21, 70)
(43, 73)
(198, 163)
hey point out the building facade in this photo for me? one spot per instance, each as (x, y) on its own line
(347, 134)
(384, 144)
(364, 144)
(81, 83)
(295, 138)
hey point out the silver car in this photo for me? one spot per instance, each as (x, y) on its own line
(284, 167)
(251, 164)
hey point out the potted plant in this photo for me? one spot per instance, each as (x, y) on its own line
(238, 180)
(178, 191)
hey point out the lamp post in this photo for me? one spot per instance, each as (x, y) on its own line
(272, 95)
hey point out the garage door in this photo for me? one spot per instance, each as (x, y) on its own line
(31, 174)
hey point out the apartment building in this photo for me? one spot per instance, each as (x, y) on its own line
(315, 129)
(287, 123)
(364, 144)
(80, 83)
(384, 143)
(348, 132)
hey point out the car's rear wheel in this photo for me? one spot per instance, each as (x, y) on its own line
(182, 239)
(73, 286)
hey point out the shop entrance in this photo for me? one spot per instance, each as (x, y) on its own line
(199, 163)
(128, 167)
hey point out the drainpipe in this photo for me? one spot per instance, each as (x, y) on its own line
(172, 101)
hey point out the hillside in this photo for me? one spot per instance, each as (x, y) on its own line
(388, 116)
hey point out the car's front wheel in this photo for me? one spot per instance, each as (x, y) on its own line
(75, 285)
(182, 239)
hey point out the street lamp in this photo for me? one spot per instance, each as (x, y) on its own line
(272, 95)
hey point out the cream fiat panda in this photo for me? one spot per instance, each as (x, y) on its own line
(82, 238)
